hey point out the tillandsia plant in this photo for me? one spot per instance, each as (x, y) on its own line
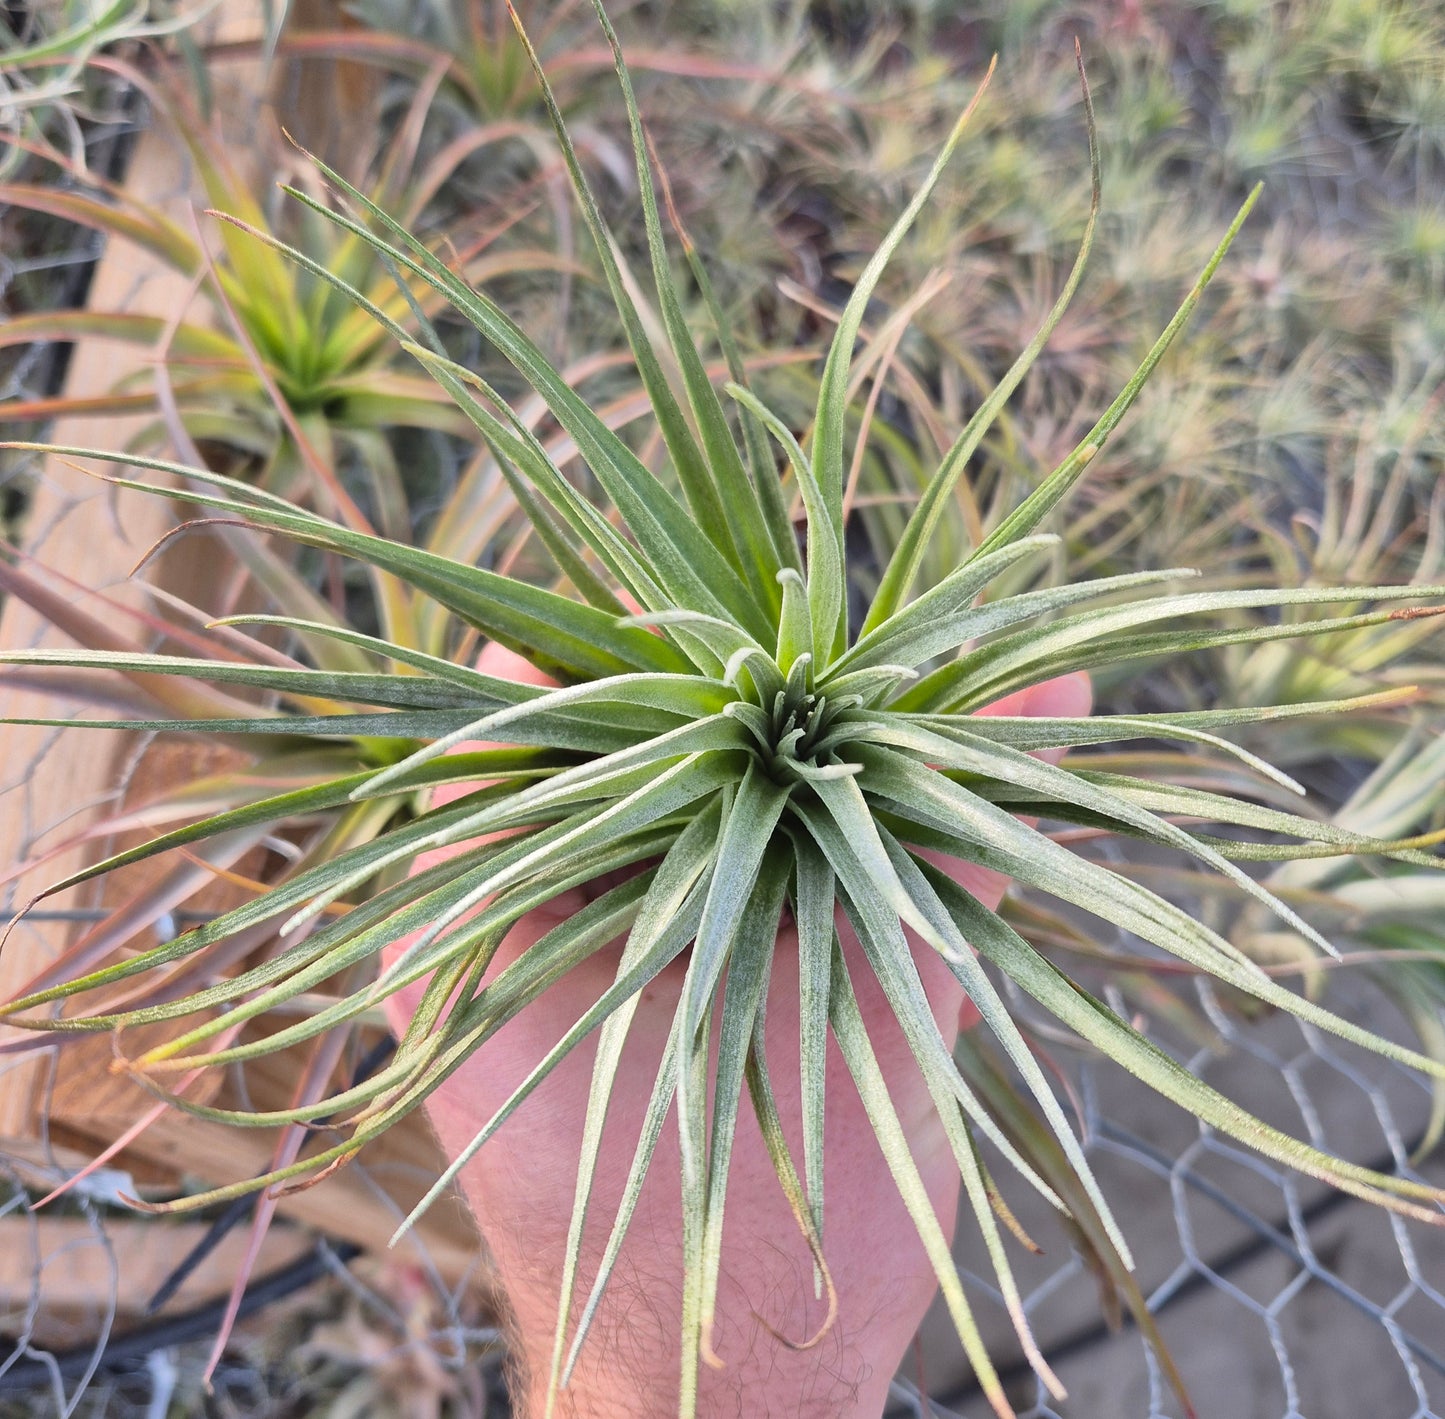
(722, 740)
(273, 371)
(1363, 526)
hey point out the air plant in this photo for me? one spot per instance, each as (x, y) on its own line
(1375, 515)
(273, 370)
(722, 730)
(490, 121)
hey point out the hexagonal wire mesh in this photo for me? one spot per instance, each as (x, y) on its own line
(1277, 1297)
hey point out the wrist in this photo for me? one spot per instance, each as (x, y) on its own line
(629, 1369)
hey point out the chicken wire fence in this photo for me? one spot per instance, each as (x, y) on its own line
(46, 264)
(1276, 1296)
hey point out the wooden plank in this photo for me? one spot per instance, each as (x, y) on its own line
(79, 526)
(57, 782)
(67, 1270)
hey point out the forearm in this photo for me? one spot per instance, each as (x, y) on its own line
(630, 1363)
(629, 1367)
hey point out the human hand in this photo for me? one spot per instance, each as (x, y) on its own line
(520, 1185)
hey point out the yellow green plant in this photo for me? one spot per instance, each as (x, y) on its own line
(276, 370)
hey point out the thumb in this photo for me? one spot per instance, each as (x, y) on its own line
(1066, 697)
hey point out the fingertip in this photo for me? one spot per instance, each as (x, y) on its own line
(1068, 696)
(508, 665)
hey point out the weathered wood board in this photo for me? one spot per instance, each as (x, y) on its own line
(61, 1109)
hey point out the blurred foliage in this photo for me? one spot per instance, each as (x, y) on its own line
(45, 51)
(792, 132)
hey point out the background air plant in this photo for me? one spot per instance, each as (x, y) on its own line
(724, 733)
(274, 372)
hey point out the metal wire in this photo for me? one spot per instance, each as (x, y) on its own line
(1275, 1295)
(58, 1364)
